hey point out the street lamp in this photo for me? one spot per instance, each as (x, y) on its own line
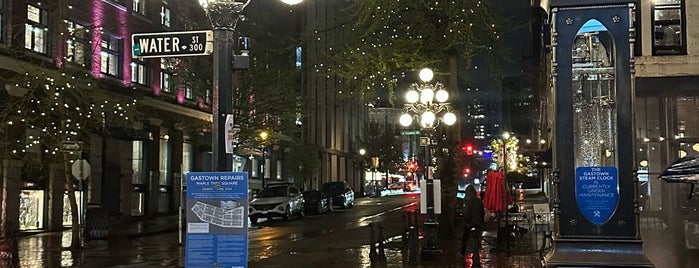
(263, 136)
(427, 104)
(224, 16)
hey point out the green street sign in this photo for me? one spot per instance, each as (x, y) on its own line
(172, 44)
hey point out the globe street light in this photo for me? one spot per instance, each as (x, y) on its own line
(224, 16)
(427, 104)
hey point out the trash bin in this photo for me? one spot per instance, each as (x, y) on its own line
(96, 223)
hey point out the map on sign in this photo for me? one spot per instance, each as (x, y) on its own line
(228, 215)
(172, 44)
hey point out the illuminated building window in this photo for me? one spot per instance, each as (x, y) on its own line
(188, 91)
(139, 73)
(110, 55)
(138, 197)
(36, 29)
(78, 44)
(165, 16)
(139, 6)
(668, 17)
(166, 78)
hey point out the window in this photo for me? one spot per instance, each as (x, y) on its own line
(78, 44)
(164, 162)
(139, 6)
(2, 4)
(110, 55)
(36, 29)
(166, 81)
(669, 27)
(188, 91)
(207, 98)
(139, 73)
(137, 163)
(187, 157)
(165, 16)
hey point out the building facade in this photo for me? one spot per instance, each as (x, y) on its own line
(667, 100)
(334, 121)
(136, 171)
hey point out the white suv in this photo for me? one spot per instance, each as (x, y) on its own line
(277, 200)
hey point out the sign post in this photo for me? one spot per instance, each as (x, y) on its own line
(172, 44)
(217, 225)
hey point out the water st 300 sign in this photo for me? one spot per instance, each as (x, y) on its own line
(172, 44)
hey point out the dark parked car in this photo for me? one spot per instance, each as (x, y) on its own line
(315, 202)
(340, 192)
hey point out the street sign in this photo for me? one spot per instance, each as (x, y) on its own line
(409, 132)
(172, 44)
(71, 146)
(80, 169)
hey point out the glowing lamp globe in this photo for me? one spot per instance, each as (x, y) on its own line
(426, 75)
(426, 95)
(412, 96)
(449, 118)
(405, 120)
(427, 119)
(441, 95)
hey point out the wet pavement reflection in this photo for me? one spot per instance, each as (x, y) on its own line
(338, 239)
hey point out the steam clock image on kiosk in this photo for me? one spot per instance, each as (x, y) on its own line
(595, 201)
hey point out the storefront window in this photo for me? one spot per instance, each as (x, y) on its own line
(649, 143)
(164, 162)
(187, 153)
(137, 163)
(67, 215)
(687, 119)
(138, 202)
(31, 210)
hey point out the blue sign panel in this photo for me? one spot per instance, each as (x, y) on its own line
(597, 192)
(217, 225)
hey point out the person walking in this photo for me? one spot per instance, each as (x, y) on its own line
(474, 213)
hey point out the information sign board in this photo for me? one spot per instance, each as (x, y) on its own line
(217, 225)
(597, 192)
(172, 44)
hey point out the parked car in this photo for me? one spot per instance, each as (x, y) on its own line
(315, 202)
(341, 193)
(277, 200)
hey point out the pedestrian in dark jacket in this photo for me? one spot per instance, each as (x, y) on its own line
(474, 212)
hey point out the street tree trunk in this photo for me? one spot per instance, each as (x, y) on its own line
(70, 187)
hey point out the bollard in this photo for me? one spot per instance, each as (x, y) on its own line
(412, 244)
(372, 243)
(382, 253)
(406, 229)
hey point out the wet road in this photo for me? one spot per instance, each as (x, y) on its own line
(336, 239)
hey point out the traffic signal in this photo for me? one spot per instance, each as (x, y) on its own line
(467, 171)
(468, 148)
(412, 166)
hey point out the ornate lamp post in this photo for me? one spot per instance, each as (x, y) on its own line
(427, 103)
(224, 16)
